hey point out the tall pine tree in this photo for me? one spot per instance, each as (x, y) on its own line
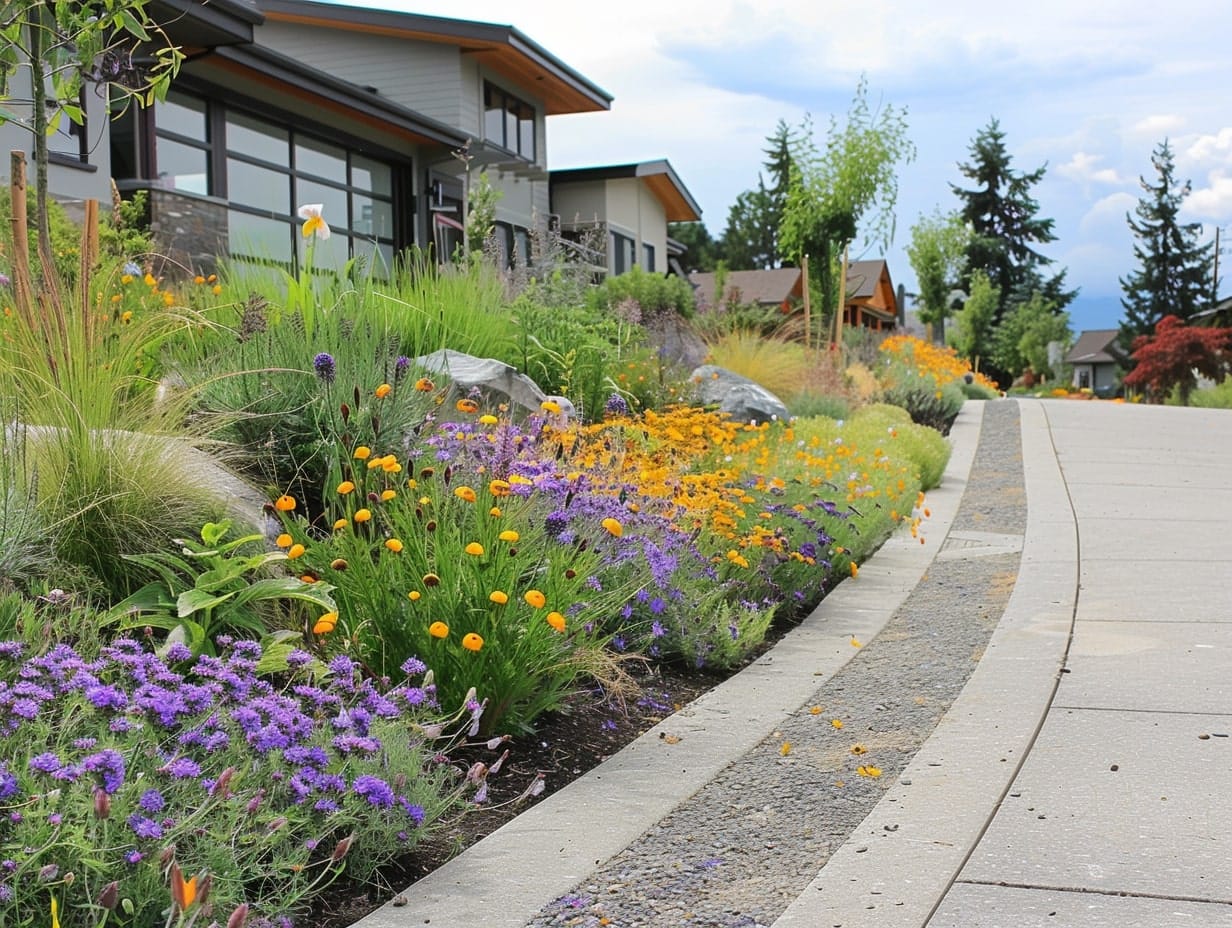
(1003, 216)
(1174, 271)
(751, 238)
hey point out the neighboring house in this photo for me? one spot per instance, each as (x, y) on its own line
(280, 103)
(871, 300)
(625, 209)
(780, 288)
(1096, 359)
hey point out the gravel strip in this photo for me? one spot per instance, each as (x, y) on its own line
(742, 848)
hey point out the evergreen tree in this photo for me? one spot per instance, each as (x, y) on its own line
(750, 239)
(1003, 216)
(703, 252)
(1174, 271)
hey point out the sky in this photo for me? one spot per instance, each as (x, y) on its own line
(1087, 88)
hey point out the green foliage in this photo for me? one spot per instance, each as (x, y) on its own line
(926, 400)
(482, 200)
(218, 587)
(807, 405)
(1176, 355)
(973, 331)
(653, 293)
(938, 255)
(1021, 340)
(703, 252)
(849, 185)
(1216, 397)
(1003, 217)
(922, 445)
(1173, 276)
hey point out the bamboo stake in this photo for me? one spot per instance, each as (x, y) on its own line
(22, 286)
(842, 306)
(89, 257)
(808, 338)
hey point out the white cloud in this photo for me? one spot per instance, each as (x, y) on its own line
(1106, 216)
(1213, 201)
(1082, 167)
(1159, 125)
(1211, 149)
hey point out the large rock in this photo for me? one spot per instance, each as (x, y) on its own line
(742, 399)
(488, 374)
(674, 339)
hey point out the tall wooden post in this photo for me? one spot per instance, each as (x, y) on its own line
(22, 285)
(808, 315)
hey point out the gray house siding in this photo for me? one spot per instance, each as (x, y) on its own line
(424, 76)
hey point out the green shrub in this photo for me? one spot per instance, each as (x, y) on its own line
(653, 293)
(1216, 397)
(807, 405)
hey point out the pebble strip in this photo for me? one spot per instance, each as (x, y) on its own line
(739, 851)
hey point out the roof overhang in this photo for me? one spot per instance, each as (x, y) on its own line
(503, 49)
(658, 176)
(291, 77)
(193, 24)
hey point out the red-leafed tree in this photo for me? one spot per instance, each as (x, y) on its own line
(1176, 354)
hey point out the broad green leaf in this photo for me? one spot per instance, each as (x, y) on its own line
(191, 601)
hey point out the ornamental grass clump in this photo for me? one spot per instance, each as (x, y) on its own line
(121, 764)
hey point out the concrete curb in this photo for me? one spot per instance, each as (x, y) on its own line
(506, 879)
(898, 865)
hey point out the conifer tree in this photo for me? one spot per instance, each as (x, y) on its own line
(1173, 277)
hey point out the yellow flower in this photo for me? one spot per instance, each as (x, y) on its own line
(424, 385)
(391, 466)
(126, 279)
(387, 495)
(150, 281)
(510, 536)
(325, 624)
(383, 391)
(340, 523)
(475, 549)
(438, 630)
(346, 487)
(500, 597)
(393, 544)
(413, 596)
(855, 570)
(550, 406)
(495, 512)
(499, 488)
(363, 515)
(168, 299)
(613, 527)
(869, 771)
(837, 723)
(314, 223)
(464, 493)
(198, 280)
(556, 620)
(858, 749)
(127, 316)
(216, 289)
(284, 503)
(855, 642)
(295, 551)
(535, 599)
(284, 540)
(472, 642)
(785, 749)
(361, 453)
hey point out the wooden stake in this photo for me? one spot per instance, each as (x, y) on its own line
(808, 339)
(842, 306)
(22, 285)
(89, 257)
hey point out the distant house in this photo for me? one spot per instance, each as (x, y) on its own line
(627, 207)
(871, 300)
(780, 288)
(1096, 358)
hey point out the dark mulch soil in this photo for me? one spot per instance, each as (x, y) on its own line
(565, 745)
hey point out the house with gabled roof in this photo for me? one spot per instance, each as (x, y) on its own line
(385, 118)
(871, 300)
(626, 207)
(780, 288)
(1096, 359)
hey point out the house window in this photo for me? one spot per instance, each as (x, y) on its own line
(623, 253)
(508, 122)
(70, 143)
(265, 171)
(648, 257)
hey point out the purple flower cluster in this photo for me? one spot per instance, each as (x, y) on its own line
(326, 367)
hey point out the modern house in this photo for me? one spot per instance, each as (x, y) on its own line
(871, 300)
(626, 207)
(780, 288)
(1096, 359)
(385, 118)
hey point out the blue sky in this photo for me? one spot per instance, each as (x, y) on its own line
(1087, 87)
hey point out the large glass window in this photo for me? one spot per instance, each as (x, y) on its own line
(508, 122)
(267, 170)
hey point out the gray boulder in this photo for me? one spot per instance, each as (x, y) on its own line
(488, 374)
(742, 399)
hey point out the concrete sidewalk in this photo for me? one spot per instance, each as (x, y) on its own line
(1084, 776)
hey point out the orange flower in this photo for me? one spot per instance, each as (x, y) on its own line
(393, 544)
(340, 523)
(361, 453)
(345, 487)
(855, 570)
(510, 536)
(284, 503)
(464, 493)
(383, 391)
(284, 540)
(363, 515)
(500, 597)
(438, 630)
(296, 551)
(495, 512)
(472, 642)
(325, 624)
(387, 495)
(474, 549)
(465, 405)
(183, 891)
(613, 527)
(556, 620)
(424, 385)
(535, 599)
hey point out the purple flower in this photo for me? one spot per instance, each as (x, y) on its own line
(415, 695)
(375, 790)
(179, 651)
(325, 367)
(299, 658)
(616, 405)
(109, 765)
(45, 763)
(11, 649)
(133, 857)
(145, 828)
(8, 782)
(656, 628)
(182, 768)
(152, 801)
(414, 811)
(400, 366)
(412, 666)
